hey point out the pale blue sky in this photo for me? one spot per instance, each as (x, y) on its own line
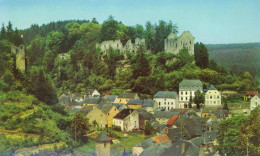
(210, 21)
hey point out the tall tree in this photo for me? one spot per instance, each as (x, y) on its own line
(201, 55)
(109, 29)
(150, 36)
(3, 32)
(141, 66)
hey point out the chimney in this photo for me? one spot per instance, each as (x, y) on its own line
(182, 147)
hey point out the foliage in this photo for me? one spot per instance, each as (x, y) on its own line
(199, 98)
(228, 134)
(249, 133)
(148, 130)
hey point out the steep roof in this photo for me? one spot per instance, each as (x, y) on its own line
(127, 95)
(251, 92)
(146, 143)
(206, 137)
(156, 149)
(177, 147)
(93, 100)
(124, 113)
(165, 94)
(165, 114)
(67, 100)
(146, 115)
(194, 130)
(175, 134)
(161, 139)
(111, 98)
(191, 83)
(106, 108)
(173, 119)
(212, 88)
(102, 137)
(143, 102)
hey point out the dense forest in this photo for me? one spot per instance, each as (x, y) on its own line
(237, 58)
(28, 100)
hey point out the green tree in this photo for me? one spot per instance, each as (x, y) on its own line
(41, 86)
(228, 135)
(80, 127)
(248, 137)
(148, 130)
(201, 55)
(150, 36)
(190, 102)
(109, 29)
(141, 65)
(199, 98)
(54, 42)
(3, 32)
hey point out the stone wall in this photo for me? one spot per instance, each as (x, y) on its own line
(20, 57)
(174, 44)
(118, 45)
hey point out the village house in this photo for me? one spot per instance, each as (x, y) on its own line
(249, 95)
(212, 97)
(163, 116)
(92, 101)
(110, 98)
(127, 119)
(148, 105)
(182, 148)
(103, 115)
(255, 101)
(125, 97)
(187, 89)
(166, 99)
(139, 148)
(92, 93)
(144, 117)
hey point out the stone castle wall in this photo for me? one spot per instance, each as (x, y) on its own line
(174, 44)
(20, 57)
(118, 45)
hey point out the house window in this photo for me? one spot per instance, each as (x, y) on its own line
(168, 103)
(186, 98)
(172, 103)
(117, 45)
(115, 109)
(107, 113)
(217, 96)
(135, 123)
(181, 92)
(105, 144)
(165, 103)
(181, 98)
(164, 99)
(168, 108)
(159, 103)
(210, 97)
(186, 92)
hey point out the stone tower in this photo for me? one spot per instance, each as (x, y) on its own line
(173, 44)
(20, 57)
(103, 145)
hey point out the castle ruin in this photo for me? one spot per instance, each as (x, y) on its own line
(20, 60)
(118, 45)
(173, 44)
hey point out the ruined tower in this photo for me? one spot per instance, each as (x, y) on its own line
(173, 44)
(103, 145)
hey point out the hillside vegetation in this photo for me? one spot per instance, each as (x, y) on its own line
(237, 58)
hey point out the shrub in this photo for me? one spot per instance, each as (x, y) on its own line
(116, 128)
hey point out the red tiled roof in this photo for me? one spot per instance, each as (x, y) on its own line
(172, 120)
(251, 92)
(164, 137)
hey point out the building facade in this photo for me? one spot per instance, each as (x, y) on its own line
(173, 44)
(187, 89)
(166, 100)
(212, 97)
(127, 119)
(255, 101)
(125, 97)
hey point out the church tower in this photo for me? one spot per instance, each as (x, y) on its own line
(103, 145)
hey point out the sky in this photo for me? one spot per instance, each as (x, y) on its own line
(209, 21)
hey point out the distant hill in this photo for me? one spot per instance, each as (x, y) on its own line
(237, 57)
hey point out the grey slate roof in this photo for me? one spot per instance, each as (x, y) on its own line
(143, 102)
(176, 149)
(165, 94)
(102, 137)
(165, 114)
(190, 83)
(127, 95)
(111, 98)
(212, 88)
(106, 108)
(93, 100)
(67, 100)
(194, 130)
(206, 137)
(146, 115)
(124, 113)
(156, 149)
(146, 143)
(174, 134)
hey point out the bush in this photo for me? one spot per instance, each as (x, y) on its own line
(116, 128)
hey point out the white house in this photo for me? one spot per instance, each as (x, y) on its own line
(254, 102)
(212, 97)
(127, 119)
(187, 89)
(92, 93)
(166, 99)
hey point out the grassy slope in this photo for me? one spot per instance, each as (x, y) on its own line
(238, 57)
